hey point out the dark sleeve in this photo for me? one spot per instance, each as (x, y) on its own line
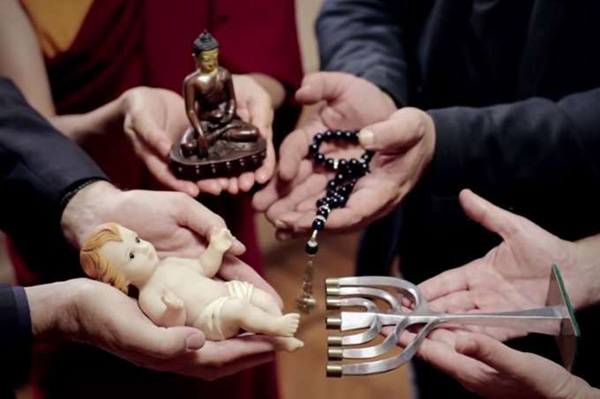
(365, 38)
(38, 167)
(15, 332)
(535, 146)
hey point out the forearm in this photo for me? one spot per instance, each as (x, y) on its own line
(364, 38)
(101, 123)
(586, 257)
(22, 59)
(51, 311)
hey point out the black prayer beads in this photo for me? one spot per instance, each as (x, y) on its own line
(348, 171)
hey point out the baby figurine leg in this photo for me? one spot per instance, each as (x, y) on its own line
(243, 314)
(266, 302)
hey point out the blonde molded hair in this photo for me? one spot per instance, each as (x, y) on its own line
(94, 264)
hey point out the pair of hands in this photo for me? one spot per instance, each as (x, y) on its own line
(404, 142)
(512, 276)
(84, 310)
(154, 119)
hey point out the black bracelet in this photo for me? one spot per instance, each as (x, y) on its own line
(77, 187)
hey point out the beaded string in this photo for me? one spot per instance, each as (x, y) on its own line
(348, 171)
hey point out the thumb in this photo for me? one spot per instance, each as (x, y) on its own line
(488, 215)
(322, 86)
(401, 131)
(152, 135)
(173, 341)
(491, 352)
(201, 220)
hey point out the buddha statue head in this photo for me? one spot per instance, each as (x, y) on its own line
(206, 52)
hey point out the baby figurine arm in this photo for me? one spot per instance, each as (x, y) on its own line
(164, 308)
(211, 259)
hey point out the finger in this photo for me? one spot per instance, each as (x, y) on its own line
(293, 150)
(210, 186)
(322, 86)
(163, 343)
(312, 186)
(489, 215)
(152, 135)
(246, 181)
(492, 352)
(198, 218)
(277, 189)
(448, 282)
(233, 188)
(161, 172)
(400, 132)
(265, 172)
(234, 269)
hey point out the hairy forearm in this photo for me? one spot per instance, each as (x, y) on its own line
(272, 86)
(89, 207)
(102, 122)
(50, 309)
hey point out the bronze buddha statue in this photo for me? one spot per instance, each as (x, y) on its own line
(219, 143)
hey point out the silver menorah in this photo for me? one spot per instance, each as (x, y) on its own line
(556, 319)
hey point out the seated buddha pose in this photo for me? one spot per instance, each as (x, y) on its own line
(210, 103)
(177, 291)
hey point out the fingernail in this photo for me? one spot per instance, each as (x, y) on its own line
(279, 224)
(366, 138)
(194, 342)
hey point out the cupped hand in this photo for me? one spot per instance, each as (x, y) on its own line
(97, 314)
(176, 224)
(346, 103)
(404, 145)
(154, 119)
(254, 105)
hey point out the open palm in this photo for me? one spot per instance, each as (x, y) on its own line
(347, 103)
(512, 276)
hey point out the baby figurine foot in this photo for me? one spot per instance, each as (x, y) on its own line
(288, 344)
(289, 324)
(221, 240)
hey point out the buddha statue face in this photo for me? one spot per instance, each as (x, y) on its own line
(208, 61)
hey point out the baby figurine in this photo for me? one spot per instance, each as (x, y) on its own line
(177, 291)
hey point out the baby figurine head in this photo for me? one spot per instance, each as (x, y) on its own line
(116, 255)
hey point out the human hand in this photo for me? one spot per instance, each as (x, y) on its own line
(86, 311)
(176, 224)
(153, 120)
(348, 103)
(490, 369)
(404, 145)
(515, 274)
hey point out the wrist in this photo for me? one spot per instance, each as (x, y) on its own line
(580, 389)
(51, 309)
(585, 266)
(89, 207)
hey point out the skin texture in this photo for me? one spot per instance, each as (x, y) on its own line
(83, 310)
(405, 139)
(512, 276)
(178, 291)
